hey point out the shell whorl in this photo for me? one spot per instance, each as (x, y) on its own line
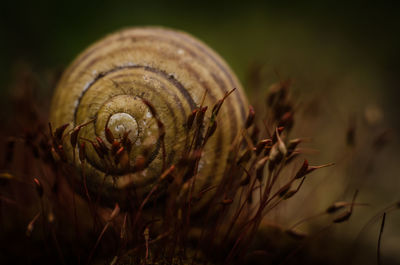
(170, 69)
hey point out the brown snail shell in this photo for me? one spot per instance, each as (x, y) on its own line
(170, 69)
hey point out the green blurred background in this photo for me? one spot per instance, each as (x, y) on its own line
(343, 55)
(313, 38)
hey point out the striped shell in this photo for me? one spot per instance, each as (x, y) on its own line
(171, 70)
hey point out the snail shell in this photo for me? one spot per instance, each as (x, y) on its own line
(170, 69)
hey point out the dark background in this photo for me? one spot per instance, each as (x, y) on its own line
(298, 38)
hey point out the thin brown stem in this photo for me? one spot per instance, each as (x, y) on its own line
(378, 256)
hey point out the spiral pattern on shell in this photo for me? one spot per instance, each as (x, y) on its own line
(170, 69)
